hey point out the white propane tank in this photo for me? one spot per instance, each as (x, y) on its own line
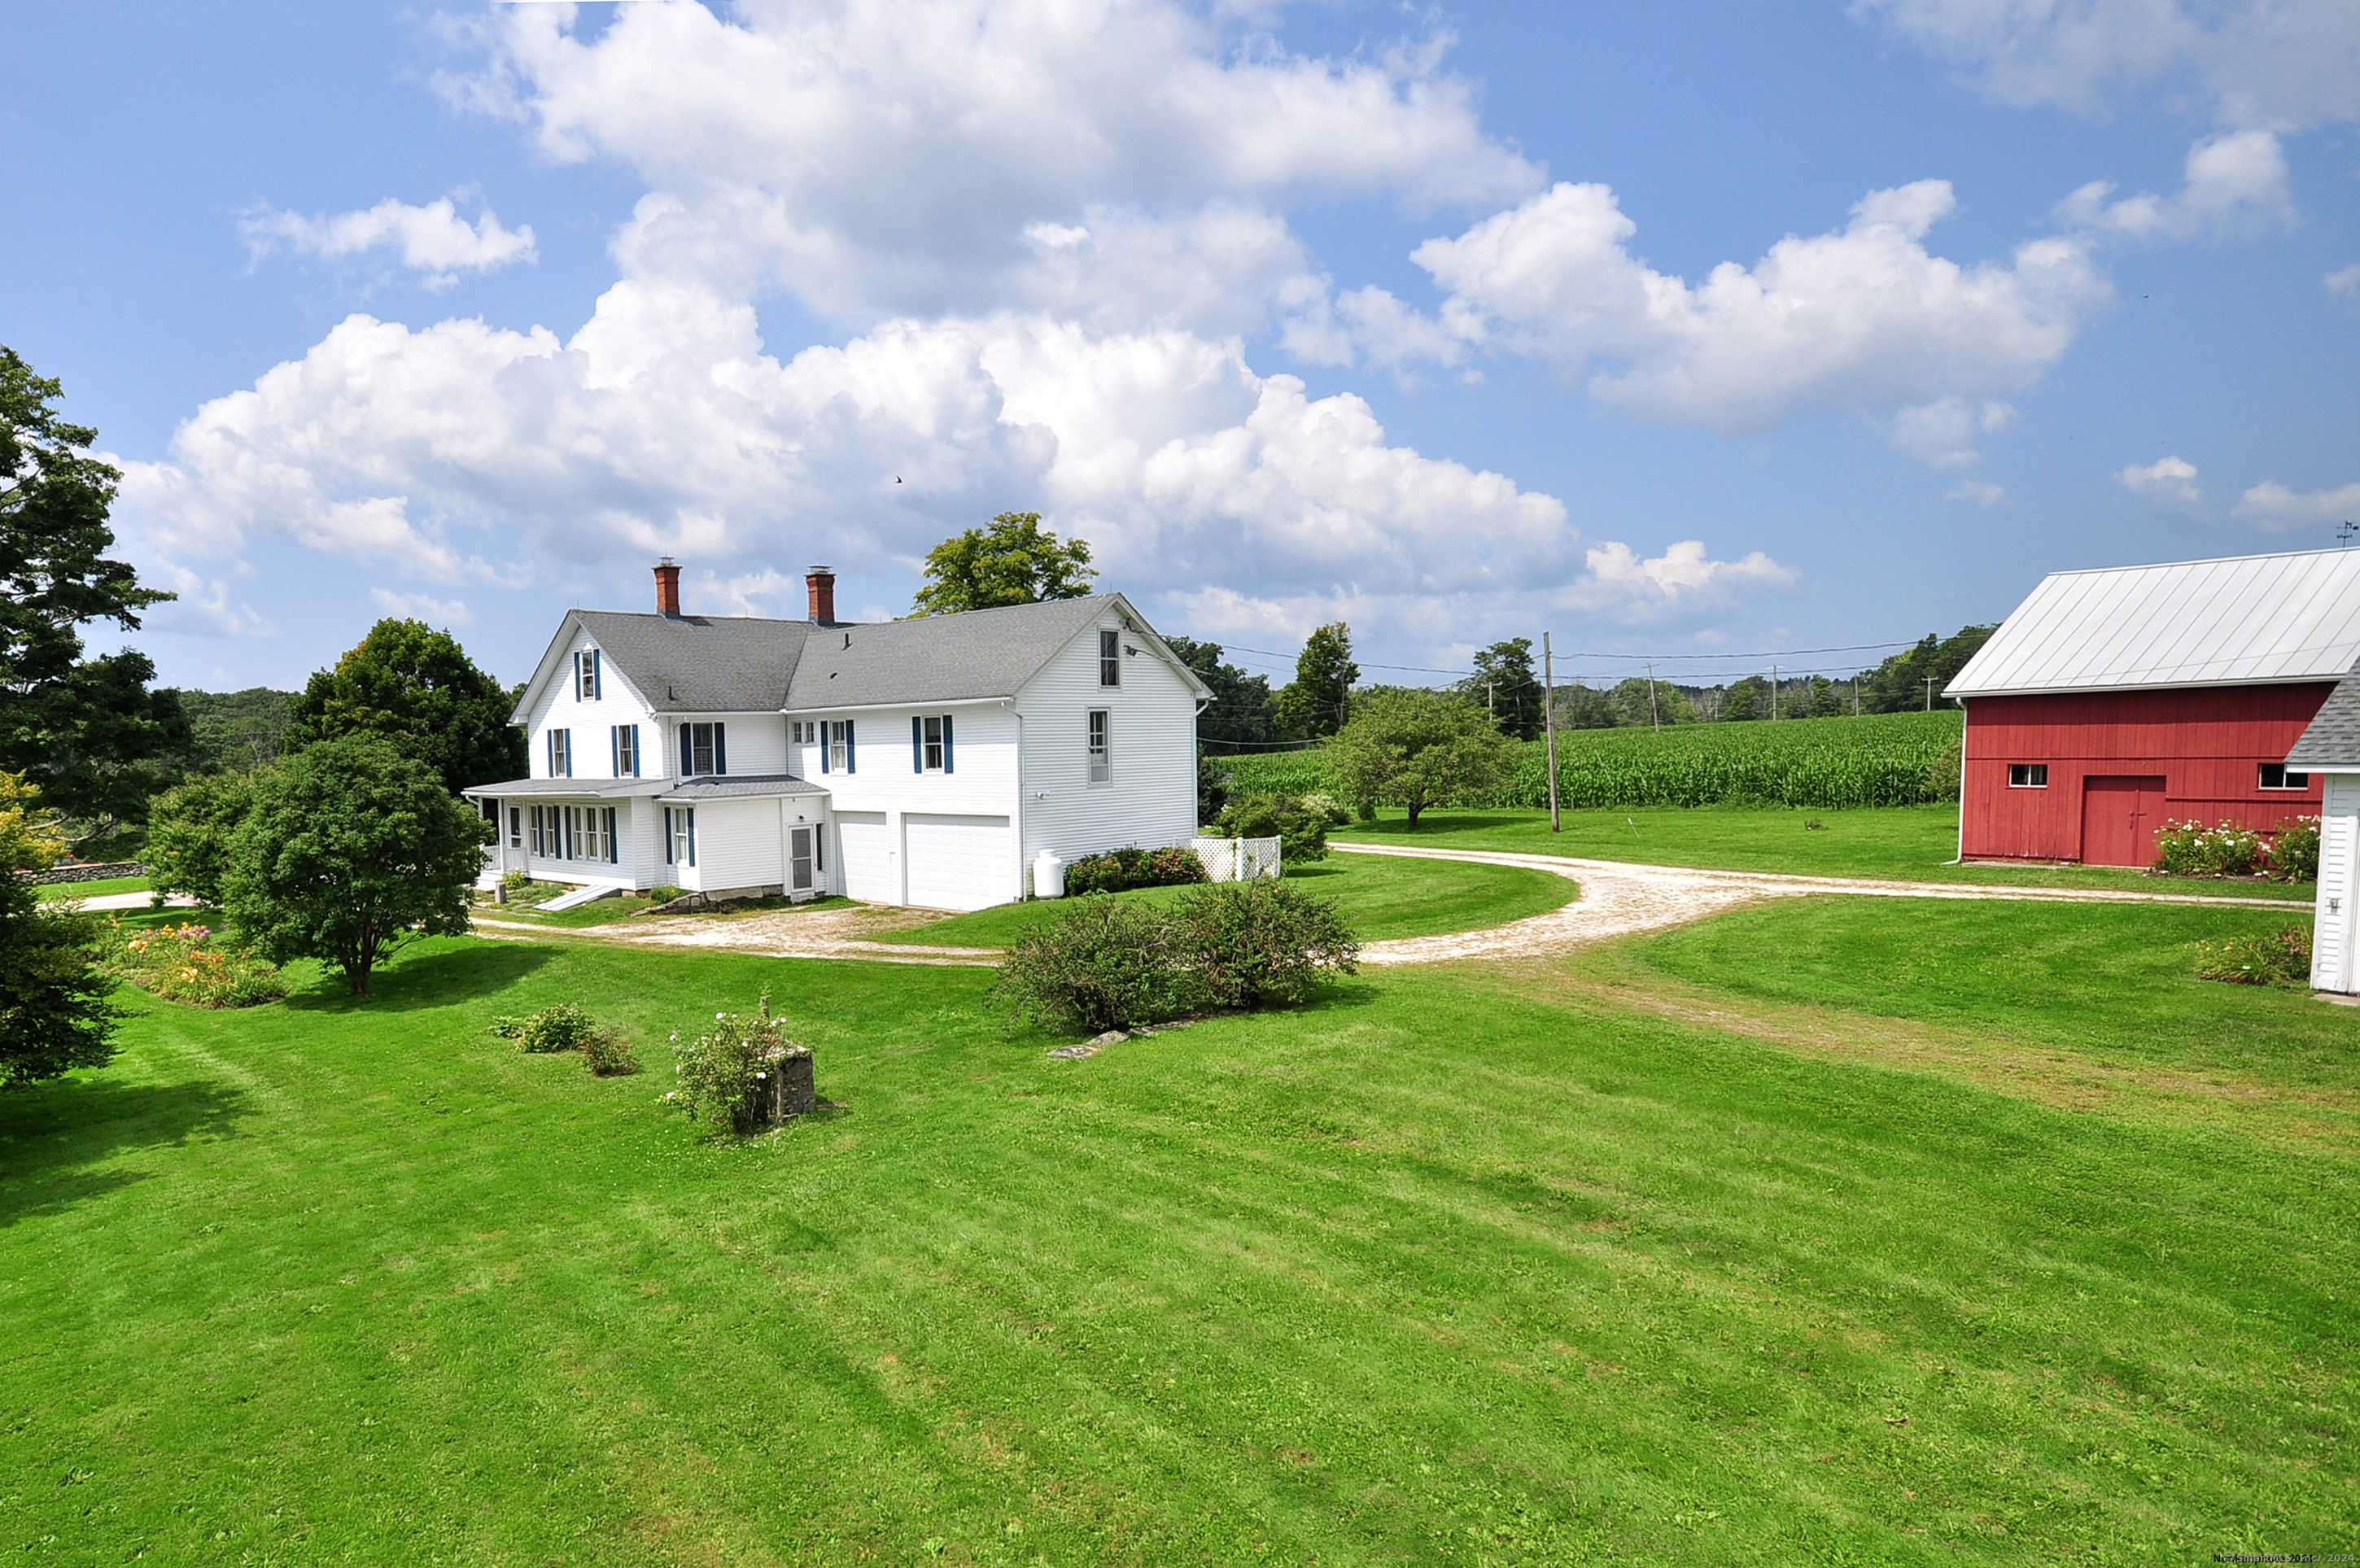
(1048, 875)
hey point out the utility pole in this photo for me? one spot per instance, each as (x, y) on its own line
(1654, 718)
(1548, 714)
(1855, 694)
(1774, 690)
(1929, 692)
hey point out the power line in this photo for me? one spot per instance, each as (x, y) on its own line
(1616, 657)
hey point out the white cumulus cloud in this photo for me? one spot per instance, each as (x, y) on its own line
(434, 240)
(2272, 505)
(1865, 318)
(2344, 287)
(2236, 185)
(1630, 588)
(2291, 64)
(2171, 480)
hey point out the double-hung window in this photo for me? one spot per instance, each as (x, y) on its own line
(2278, 776)
(930, 745)
(588, 682)
(838, 754)
(625, 746)
(560, 754)
(680, 835)
(704, 749)
(549, 833)
(1101, 743)
(1110, 659)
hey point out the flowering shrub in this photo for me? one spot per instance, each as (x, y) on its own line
(184, 963)
(2294, 851)
(566, 1027)
(1120, 870)
(2280, 960)
(2191, 849)
(608, 1054)
(719, 1071)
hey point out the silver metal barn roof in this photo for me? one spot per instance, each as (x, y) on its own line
(2247, 620)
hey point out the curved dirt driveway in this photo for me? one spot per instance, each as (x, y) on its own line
(1617, 898)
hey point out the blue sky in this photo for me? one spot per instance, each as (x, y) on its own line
(1409, 317)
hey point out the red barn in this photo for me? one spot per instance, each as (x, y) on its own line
(2112, 701)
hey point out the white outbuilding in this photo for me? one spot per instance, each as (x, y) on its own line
(2331, 748)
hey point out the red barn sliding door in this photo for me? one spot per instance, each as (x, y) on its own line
(2119, 816)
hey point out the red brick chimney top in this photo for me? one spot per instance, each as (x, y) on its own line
(821, 582)
(667, 587)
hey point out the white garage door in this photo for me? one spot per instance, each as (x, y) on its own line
(867, 857)
(959, 863)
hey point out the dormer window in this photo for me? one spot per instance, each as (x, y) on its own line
(1110, 659)
(586, 675)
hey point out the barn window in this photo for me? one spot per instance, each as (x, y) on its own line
(2275, 776)
(2027, 776)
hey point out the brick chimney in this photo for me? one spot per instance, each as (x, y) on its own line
(667, 587)
(821, 582)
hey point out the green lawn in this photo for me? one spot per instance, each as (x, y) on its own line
(1380, 898)
(624, 907)
(92, 889)
(1455, 1267)
(1907, 842)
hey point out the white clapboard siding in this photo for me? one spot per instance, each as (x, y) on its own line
(755, 744)
(885, 783)
(2339, 874)
(591, 724)
(736, 847)
(956, 862)
(1151, 800)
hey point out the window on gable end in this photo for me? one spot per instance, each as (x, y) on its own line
(1110, 659)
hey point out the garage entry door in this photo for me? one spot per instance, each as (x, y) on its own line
(959, 863)
(867, 857)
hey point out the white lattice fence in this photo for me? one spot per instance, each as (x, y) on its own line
(1237, 859)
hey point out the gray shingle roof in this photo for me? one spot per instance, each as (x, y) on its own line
(741, 664)
(936, 658)
(742, 786)
(598, 789)
(2333, 738)
(701, 664)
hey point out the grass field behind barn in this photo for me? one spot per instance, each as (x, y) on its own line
(1780, 1238)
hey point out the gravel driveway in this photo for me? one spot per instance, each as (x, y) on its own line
(1617, 898)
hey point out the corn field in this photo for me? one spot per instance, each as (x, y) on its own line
(1880, 760)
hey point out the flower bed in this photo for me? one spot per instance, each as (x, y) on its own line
(187, 963)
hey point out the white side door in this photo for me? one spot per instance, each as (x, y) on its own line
(959, 862)
(867, 857)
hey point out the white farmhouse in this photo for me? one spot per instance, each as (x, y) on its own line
(922, 762)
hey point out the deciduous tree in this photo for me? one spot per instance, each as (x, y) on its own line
(1505, 687)
(1244, 711)
(190, 833)
(1015, 560)
(1317, 700)
(416, 687)
(1415, 749)
(88, 731)
(348, 851)
(53, 1011)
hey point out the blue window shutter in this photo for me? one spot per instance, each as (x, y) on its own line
(692, 836)
(946, 743)
(823, 744)
(597, 675)
(614, 850)
(917, 743)
(720, 748)
(687, 758)
(851, 758)
(635, 751)
(614, 751)
(667, 834)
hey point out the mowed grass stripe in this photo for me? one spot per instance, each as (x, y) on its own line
(1427, 1274)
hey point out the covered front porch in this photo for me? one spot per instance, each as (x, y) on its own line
(584, 831)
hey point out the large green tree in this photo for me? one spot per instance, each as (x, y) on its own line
(1319, 697)
(1414, 749)
(190, 833)
(1654, 704)
(1014, 561)
(416, 687)
(1505, 687)
(1899, 684)
(349, 851)
(1244, 711)
(53, 1011)
(88, 731)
